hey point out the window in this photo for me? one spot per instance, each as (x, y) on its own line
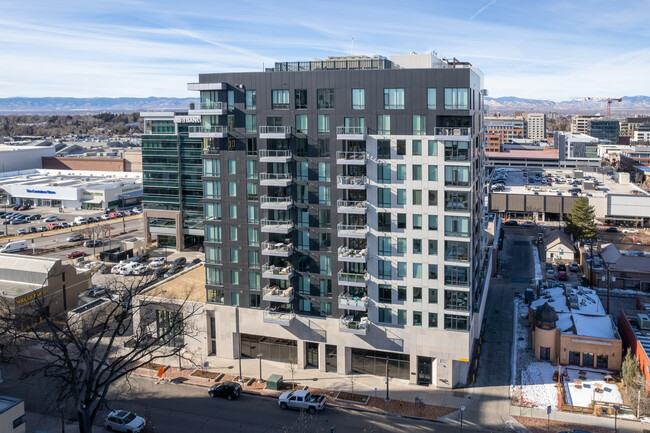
(253, 213)
(301, 123)
(433, 247)
(417, 318)
(324, 195)
(323, 123)
(325, 98)
(323, 147)
(302, 195)
(401, 293)
(384, 269)
(433, 272)
(302, 170)
(417, 246)
(394, 99)
(456, 300)
(234, 278)
(211, 167)
(251, 123)
(324, 218)
(433, 173)
(325, 239)
(384, 245)
(303, 240)
(417, 294)
(253, 237)
(304, 286)
(304, 305)
(358, 99)
(433, 147)
(417, 172)
(417, 221)
(253, 259)
(232, 166)
(213, 211)
(419, 124)
(433, 222)
(251, 191)
(169, 326)
(456, 99)
(401, 171)
(456, 276)
(325, 308)
(587, 359)
(325, 288)
(457, 201)
(431, 99)
(251, 99)
(213, 233)
(280, 99)
(433, 198)
(383, 197)
(232, 211)
(456, 226)
(303, 217)
(456, 323)
(456, 151)
(401, 245)
(212, 190)
(232, 189)
(384, 315)
(253, 300)
(383, 173)
(401, 220)
(456, 175)
(231, 99)
(417, 270)
(251, 169)
(301, 99)
(274, 121)
(234, 234)
(383, 222)
(230, 119)
(324, 172)
(433, 296)
(325, 265)
(401, 269)
(417, 197)
(457, 251)
(401, 196)
(401, 147)
(385, 293)
(251, 146)
(19, 421)
(401, 317)
(383, 124)
(383, 149)
(602, 361)
(302, 147)
(416, 147)
(433, 320)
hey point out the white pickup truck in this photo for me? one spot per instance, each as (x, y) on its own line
(303, 400)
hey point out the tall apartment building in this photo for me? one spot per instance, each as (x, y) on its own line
(596, 126)
(581, 124)
(172, 180)
(344, 214)
(536, 126)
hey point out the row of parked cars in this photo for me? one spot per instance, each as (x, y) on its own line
(158, 267)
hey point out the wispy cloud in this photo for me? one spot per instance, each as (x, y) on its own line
(482, 9)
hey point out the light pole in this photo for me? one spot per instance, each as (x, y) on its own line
(259, 356)
(616, 408)
(387, 369)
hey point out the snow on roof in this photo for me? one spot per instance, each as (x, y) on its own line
(594, 326)
(564, 323)
(555, 298)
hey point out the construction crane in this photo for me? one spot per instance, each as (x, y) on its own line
(609, 101)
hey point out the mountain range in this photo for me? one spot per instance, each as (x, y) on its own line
(630, 105)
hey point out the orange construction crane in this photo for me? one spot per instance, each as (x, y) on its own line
(609, 104)
(598, 98)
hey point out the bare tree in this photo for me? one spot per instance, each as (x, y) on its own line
(87, 351)
(293, 366)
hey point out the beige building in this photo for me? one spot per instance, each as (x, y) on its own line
(558, 246)
(570, 326)
(12, 415)
(536, 126)
(581, 124)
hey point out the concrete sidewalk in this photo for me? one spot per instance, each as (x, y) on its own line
(623, 425)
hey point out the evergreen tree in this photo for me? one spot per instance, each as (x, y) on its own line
(580, 221)
(630, 369)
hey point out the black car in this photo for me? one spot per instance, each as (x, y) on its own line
(172, 271)
(511, 223)
(561, 267)
(227, 390)
(181, 261)
(34, 217)
(160, 272)
(105, 269)
(611, 229)
(141, 258)
(32, 229)
(96, 292)
(91, 243)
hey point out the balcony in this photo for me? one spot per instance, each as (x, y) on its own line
(208, 108)
(358, 327)
(351, 158)
(356, 303)
(273, 293)
(453, 134)
(276, 203)
(277, 272)
(275, 179)
(272, 226)
(351, 182)
(351, 207)
(275, 132)
(349, 231)
(351, 132)
(206, 86)
(354, 256)
(276, 249)
(353, 279)
(279, 317)
(274, 155)
(207, 131)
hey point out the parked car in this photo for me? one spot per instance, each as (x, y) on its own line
(123, 421)
(628, 230)
(32, 229)
(201, 249)
(139, 270)
(105, 217)
(302, 400)
(117, 268)
(54, 226)
(562, 275)
(75, 237)
(561, 267)
(229, 390)
(25, 207)
(75, 254)
(573, 267)
(98, 291)
(64, 225)
(511, 223)
(160, 272)
(172, 271)
(21, 232)
(549, 269)
(51, 219)
(141, 258)
(43, 229)
(157, 262)
(93, 243)
(34, 217)
(528, 224)
(181, 261)
(19, 221)
(611, 229)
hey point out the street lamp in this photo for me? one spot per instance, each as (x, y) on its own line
(259, 356)
(616, 408)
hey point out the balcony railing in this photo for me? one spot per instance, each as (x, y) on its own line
(455, 132)
(273, 293)
(275, 131)
(353, 279)
(275, 179)
(359, 327)
(277, 272)
(268, 155)
(273, 226)
(211, 150)
(350, 255)
(283, 203)
(212, 105)
(356, 303)
(353, 207)
(350, 158)
(352, 231)
(278, 249)
(351, 182)
(351, 132)
(216, 131)
(278, 317)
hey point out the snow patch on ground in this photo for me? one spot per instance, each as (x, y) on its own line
(582, 397)
(538, 266)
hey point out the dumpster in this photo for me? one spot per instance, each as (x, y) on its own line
(274, 382)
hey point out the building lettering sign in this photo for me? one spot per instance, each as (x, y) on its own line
(596, 342)
(30, 297)
(187, 119)
(131, 188)
(40, 191)
(94, 194)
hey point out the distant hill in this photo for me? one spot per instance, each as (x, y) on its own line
(509, 104)
(19, 105)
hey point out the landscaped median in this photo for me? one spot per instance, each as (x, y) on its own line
(345, 399)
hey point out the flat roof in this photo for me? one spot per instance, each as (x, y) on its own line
(525, 154)
(643, 168)
(7, 402)
(70, 178)
(642, 335)
(188, 285)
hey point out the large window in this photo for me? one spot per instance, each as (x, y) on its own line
(251, 99)
(384, 245)
(212, 190)
(456, 300)
(325, 98)
(383, 124)
(383, 221)
(251, 123)
(456, 99)
(419, 124)
(384, 269)
(358, 99)
(433, 147)
(301, 99)
(383, 149)
(394, 99)
(280, 99)
(324, 172)
(455, 322)
(456, 175)
(301, 123)
(457, 251)
(456, 151)
(456, 276)
(457, 201)
(272, 349)
(383, 197)
(384, 315)
(383, 173)
(323, 123)
(169, 325)
(431, 99)
(374, 362)
(324, 196)
(211, 167)
(456, 226)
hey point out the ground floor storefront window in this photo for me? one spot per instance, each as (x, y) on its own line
(574, 358)
(272, 349)
(374, 362)
(587, 359)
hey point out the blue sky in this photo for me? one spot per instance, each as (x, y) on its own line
(543, 49)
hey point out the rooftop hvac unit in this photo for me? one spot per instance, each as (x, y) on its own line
(644, 321)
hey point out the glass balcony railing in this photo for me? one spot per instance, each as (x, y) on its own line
(346, 230)
(357, 158)
(349, 206)
(359, 327)
(353, 278)
(217, 129)
(280, 249)
(451, 131)
(267, 202)
(279, 317)
(349, 302)
(351, 130)
(283, 178)
(274, 293)
(268, 154)
(275, 130)
(346, 254)
(277, 272)
(279, 226)
(351, 182)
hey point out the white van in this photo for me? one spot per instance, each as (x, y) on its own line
(128, 268)
(12, 247)
(80, 220)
